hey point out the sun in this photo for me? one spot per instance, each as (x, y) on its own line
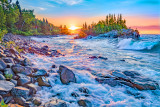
(73, 28)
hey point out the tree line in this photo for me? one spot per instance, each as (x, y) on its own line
(15, 20)
(112, 22)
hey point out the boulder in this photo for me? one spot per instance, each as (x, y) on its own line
(21, 69)
(33, 88)
(26, 62)
(20, 92)
(37, 102)
(9, 71)
(14, 82)
(8, 60)
(66, 75)
(84, 90)
(20, 100)
(23, 79)
(42, 81)
(110, 81)
(2, 77)
(74, 94)
(6, 86)
(2, 65)
(84, 103)
(40, 72)
(56, 103)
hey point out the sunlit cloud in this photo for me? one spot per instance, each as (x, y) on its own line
(68, 2)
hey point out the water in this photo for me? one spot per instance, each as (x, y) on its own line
(141, 55)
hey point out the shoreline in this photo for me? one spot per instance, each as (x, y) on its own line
(26, 75)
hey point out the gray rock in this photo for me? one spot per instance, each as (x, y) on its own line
(37, 102)
(43, 82)
(7, 99)
(2, 77)
(33, 88)
(84, 103)
(26, 62)
(84, 90)
(21, 69)
(23, 79)
(66, 75)
(2, 65)
(40, 72)
(14, 82)
(20, 100)
(110, 81)
(8, 60)
(6, 85)
(56, 103)
(20, 92)
(9, 71)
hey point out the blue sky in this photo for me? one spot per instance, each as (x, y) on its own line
(79, 11)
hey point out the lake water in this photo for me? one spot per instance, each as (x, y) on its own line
(141, 55)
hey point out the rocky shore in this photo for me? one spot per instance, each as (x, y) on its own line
(19, 81)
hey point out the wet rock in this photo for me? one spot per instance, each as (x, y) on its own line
(74, 94)
(40, 72)
(93, 57)
(131, 74)
(7, 99)
(14, 82)
(21, 69)
(118, 74)
(6, 86)
(26, 62)
(2, 65)
(54, 66)
(84, 103)
(23, 79)
(56, 103)
(9, 71)
(20, 92)
(33, 88)
(84, 90)
(42, 82)
(37, 102)
(8, 60)
(18, 68)
(13, 51)
(122, 60)
(52, 71)
(2, 77)
(137, 95)
(110, 81)
(98, 57)
(20, 100)
(66, 75)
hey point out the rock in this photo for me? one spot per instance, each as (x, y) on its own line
(110, 81)
(14, 82)
(84, 90)
(7, 99)
(20, 100)
(14, 105)
(13, 51)
(51, 71)
(20, 92)
(66, 75)
(8, 60)
(2, 65)
(23, 79)
(9, 71)
(98, 57)
(33, 88)
(37, 102)
(54, 66)
(26, 62)
(2, 55)
(2, 77)
(110, 34)
(42, 82)
(131, 74)
(56, 103)
(1, 98)
(84, 103)
(40, 72)
(118, 74)
(18, 68)
(21, 69)
(9, 65)
(74, 94)
(6, 85)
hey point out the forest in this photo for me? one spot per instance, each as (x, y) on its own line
(112, 22)
(18, 21)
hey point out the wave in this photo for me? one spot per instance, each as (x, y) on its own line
(130, 44)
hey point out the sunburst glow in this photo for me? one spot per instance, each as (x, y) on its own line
(73, 28)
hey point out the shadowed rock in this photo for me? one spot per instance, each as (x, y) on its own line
(66, 75)
(84, 103)
(2, 65)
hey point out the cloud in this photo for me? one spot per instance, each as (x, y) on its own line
(68, 2)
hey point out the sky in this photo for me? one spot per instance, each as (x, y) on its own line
(141, 14)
